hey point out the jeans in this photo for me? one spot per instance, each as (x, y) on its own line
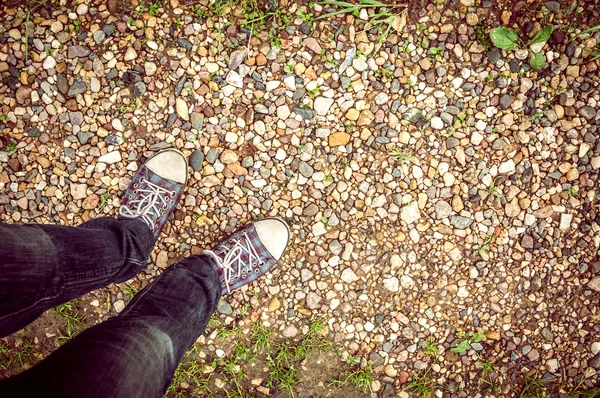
(134, 354)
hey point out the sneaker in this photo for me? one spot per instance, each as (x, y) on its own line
(156, 189)
(250, 252)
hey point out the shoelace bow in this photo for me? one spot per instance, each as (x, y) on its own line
(149, 206)
(233, 262)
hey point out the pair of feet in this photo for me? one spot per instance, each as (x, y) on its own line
(242, 257)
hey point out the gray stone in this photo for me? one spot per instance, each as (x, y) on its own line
(304, 112)
(453, 110)
(108, 29)
(99, 36)
(76, 118)
(185, 43)
(197, 120)
(553, 6)
(412, 115)
(506, 101)
(452, 142)
(84, 137)
(305, 169)
(179, 86)
(587, 112)
(350, 54)
(313, 300)
(78, 52)
(493, 55)
(446, 118)
(310, 210)
(224, 308)
(306, 275)
(78, 87)
(196, 160)
(171, 119)
(460, 222)
(139, 88)
(335, 247)
(212, 155)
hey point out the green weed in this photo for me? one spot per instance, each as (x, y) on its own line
(11, 148)
(104, 198)
(225, 333)
(430, 348)
(282, 373)
(468, 339)
(491, 377)
(401, 155)
(262, 338)
(361, 378)
(70, 314)
(437, 52)
(383, 19)
(421, 385)
(495, 192)
(533, 388)
(484, 249)
(313, 341)
(21, 357)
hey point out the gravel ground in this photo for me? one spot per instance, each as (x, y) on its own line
(436, 187)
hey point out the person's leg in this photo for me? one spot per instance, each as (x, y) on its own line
(136, 353)
(42, 266)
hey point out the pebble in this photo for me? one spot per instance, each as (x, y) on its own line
(196, 160)
(110, 158)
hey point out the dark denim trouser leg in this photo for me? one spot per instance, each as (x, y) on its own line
(42, 266)
(134, 354)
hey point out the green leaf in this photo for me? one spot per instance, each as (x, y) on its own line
(537, 61)
(543, 35)
(477, 337)
(462, 347)
(503, 38)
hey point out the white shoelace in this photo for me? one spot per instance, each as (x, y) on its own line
(150, 205)
(234, 258)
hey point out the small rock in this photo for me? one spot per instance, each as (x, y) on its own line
(312, 44)
(78, 191)
(78, 52)
(594, 284)
(234, 79)
(196, 160)
(442, 209)
(110, 158)
(339, 138)
(349, 276)
(322, 105)
(91, 202)
(410, 213)
(587, 112)
(119, 305)
(274, 304)
(391, 284)
(236, 58)
(437, 123)
(461, 222)
(182, 109)
(223, 307)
